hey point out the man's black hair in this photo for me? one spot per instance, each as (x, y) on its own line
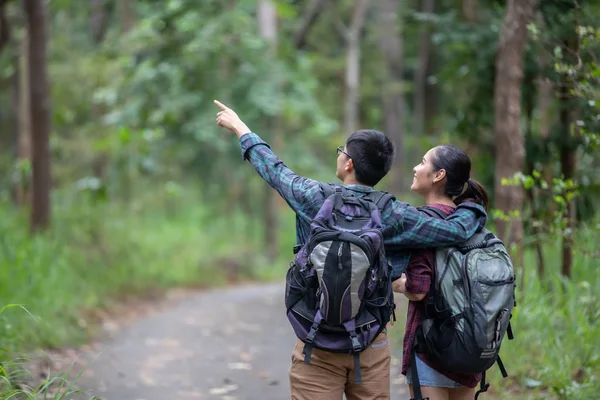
(372, 153)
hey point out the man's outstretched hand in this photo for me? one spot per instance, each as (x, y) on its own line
(227, 118)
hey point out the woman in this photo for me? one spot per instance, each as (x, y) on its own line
(443, 180)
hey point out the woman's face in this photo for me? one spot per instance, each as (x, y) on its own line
(424, 176)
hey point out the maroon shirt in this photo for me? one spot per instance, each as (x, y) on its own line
(419, 275)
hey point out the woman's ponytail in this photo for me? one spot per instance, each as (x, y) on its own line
(475, 193)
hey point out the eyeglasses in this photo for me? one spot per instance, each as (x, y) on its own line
(340, 150)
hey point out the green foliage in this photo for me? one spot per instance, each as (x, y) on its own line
(171, 71)
(150, 194)
(96, 253)
(556, 351)
(13, 376)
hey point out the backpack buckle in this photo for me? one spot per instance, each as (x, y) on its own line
(356, 346)
(310, 338)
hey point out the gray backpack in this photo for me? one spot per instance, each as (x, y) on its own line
(469, 308)
(338, 288)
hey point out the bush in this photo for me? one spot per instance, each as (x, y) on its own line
(96, 253)
(556, 350)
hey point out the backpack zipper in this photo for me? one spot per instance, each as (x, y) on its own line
(337, 279)
(465, 274)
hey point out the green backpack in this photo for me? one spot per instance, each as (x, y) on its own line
(470, 306)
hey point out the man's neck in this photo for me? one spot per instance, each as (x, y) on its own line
(353, 181)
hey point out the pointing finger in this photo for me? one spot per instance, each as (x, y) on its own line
(221, 105)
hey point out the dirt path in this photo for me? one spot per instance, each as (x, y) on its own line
(233, 343)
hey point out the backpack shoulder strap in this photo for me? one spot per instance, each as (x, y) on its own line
(432, 212)
(380, 198)
(329, 189)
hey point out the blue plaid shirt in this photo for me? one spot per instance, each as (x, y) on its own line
(404, 227)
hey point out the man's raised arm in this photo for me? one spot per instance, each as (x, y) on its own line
(407, 227)
(299, 192)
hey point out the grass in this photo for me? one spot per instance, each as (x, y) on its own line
(556, 351)
(96, 254)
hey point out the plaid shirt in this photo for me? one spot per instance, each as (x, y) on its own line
(404, 227)
(419, 275)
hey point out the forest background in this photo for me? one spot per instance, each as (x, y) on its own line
(116, 183)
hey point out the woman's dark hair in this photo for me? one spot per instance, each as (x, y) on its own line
(372, 153)
(457, 165)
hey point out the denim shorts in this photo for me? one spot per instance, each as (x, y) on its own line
(430, 377)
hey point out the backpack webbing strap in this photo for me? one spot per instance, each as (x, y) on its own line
(356, 347)
(380, 198)
(328, 188)
(415, 378)
(502, 369)
(483, 387)
(310, 338)
(509, 332)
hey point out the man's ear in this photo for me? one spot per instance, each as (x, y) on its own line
(440, 174)
(349, 165)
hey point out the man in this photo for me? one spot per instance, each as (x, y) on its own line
(361, 164)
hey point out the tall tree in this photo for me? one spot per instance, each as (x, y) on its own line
(309, 17)
(267, 23)
(423, 69)
(24, 123)
(4, 27)
(36, 16)
(100, 11)
(569, 142)
(127, 14)
(353, 36)
(392, 48)
(469, 10)
(99, 17)
(510, 144)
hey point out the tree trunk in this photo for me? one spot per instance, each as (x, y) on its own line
(423, 70)
(99, 18)
(510, 147)
(568, 166)
(544, 98)
(310, 16)
(531, 195)
(568, 163)
(353, 67)
(469, 9)
(392, 47)
(4, 27)
(127, 12)
(23, 195)
(35, 11)
(267, 22)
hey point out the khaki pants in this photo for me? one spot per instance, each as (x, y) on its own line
(330, 375)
